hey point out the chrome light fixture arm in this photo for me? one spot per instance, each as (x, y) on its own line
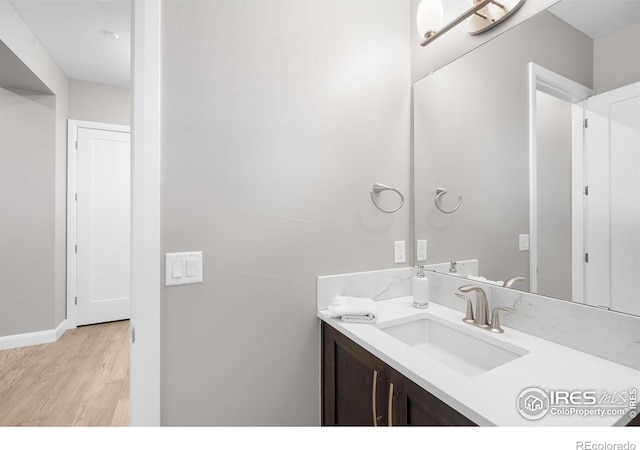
(483, 20)
(457, 21)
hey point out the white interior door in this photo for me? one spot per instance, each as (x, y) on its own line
(612, 142)
(103, 226)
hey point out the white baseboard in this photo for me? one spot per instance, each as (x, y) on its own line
(60, 329)
(35, 338)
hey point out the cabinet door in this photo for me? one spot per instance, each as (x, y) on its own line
(353, 382)
(412, 405)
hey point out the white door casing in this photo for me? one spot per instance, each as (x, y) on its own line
(544, 80)
(146, 265)
(99, 226)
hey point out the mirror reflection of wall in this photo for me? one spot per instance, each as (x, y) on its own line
(481, 150)
(471, 137)
(553, 139)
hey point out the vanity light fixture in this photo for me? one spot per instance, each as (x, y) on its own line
(430, 17)
(483, 15)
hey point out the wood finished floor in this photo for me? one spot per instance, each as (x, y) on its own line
(80, 380)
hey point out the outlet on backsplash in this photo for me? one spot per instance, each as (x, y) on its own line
(400, 254)
(421, 250)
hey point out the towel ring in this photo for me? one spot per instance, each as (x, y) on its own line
(439, 193)
(377, 188)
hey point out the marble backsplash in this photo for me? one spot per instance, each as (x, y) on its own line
(607, 334)
(378, 285)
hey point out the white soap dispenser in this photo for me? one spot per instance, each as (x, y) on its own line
(420, 289)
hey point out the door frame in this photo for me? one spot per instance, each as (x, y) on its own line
(146, 263)
(72, 212)
(542, 79)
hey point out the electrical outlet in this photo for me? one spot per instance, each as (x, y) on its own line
(524, 242)
(400, 255)
(421, 250)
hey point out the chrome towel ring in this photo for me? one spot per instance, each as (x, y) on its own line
(379, 187)
(439, 193)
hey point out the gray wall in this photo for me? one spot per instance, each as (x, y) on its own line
(616, 59)
(471, 137)
(553, 142)
(97, 102)
(27, 252)
(277, 119)
(16, 36)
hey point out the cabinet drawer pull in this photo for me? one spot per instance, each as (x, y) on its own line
(390, 411)
(374, 391)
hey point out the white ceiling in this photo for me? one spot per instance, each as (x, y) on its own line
(72, 31)
(597, 18)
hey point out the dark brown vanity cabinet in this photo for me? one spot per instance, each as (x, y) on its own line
(360, 389)
(412, 405)
(353, 382)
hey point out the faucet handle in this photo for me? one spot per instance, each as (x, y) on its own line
(469, 317)
(495, 318)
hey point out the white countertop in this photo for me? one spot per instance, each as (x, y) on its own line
(490, 398)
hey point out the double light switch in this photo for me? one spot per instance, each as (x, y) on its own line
(183, 268)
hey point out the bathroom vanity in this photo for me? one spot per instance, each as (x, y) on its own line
(512, 171)
(361, 389)
(428, 367)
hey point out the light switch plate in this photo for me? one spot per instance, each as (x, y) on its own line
(183, 268)
(524, 242)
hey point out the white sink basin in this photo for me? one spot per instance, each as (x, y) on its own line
(465, 348)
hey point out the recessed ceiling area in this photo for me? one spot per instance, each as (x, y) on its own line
(78, 34)
(597, 18)
(15, 75)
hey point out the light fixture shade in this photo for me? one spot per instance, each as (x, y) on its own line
(430, 17)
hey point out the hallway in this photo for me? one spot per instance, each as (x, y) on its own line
(80, 380)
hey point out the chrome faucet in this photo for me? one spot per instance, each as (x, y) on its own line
(510, 281)
(482, 307)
